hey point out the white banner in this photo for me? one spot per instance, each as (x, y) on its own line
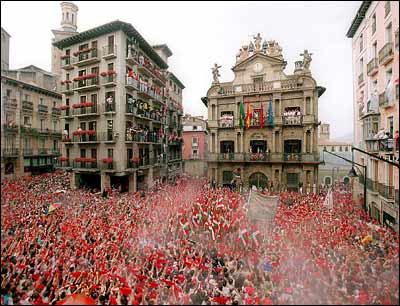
(262, 207)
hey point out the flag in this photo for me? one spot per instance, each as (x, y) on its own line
(262, 207)
(249, 115)
(241, 115)
(262, 116)
(52, 208)
(270, 113)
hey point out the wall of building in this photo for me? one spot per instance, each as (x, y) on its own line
(195, 167)
(5, 50)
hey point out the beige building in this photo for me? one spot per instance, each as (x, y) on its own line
(194, 145)
(121, 109)
(5, 49)
(30, 127)
(375, 43)
(334, 169)
(283, 150)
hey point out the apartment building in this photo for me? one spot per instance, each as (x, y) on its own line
(263, 124)
(375, 52)
(30, 128)
(121, 109)
(195, 145)
(5, 49)
(334, 169)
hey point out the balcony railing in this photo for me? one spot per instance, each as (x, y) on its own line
(131, 83)
(292, 120)
(10, 152)
(86, 165)
(257, 157)
(372, 185)
(10, 128)
(292, 156)
(396, 40)
(86, 138)
(67, 88)
(109, 136)
(110, 107)
(10, 102)
(27, 152)
(87, 58)
(108, 166)
(384, 100)
(372, 66)
(43, 108)
(144, 161)
(89, 110)
(27, 105)
(55, 111)
(387, 8)
(43, 151)
(131, 165)
(65, 164)
(361, 78)
(66, 63)
(386, 191)
(109, 51)
(109, 80)
(386, 53)
(86, 84)
(226, 122)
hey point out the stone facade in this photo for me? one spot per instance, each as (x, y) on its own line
(5, 50)
(375, 53)
(30, 128)
(132, 127)
(283, 152)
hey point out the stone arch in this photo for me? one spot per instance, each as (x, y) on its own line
(258, 179)
(346, 180)
(9, 168)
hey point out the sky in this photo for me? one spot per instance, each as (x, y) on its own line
(203, 33)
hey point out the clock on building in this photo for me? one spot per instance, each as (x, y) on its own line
(258, 67)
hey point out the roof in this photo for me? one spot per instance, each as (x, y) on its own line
(32, 68)
(320, 90)
(329, 142)
(165, 47)
(176, 80)
(205, 101)
(258, 54)
(31, 87)
(110, 27)
(4, 31)
(358, 18)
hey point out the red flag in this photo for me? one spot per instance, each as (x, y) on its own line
(262, 116)
(249, 115)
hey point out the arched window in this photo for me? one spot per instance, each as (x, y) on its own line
(346, 180)
(67, 16)
(258, 179)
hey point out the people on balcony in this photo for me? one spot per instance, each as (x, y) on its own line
(226, 121)
(109, 104)
(292, 116)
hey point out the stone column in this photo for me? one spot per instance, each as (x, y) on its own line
(105, 181)
(150, 178)
(132, 182)
(216, 143)
(304, 141)
(242, 142)
(273, 142)
(312, 141)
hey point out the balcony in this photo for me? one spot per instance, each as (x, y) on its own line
(108, 166)
(396, 40)
(226, 122)
(43, 108)
(110, 107)
(384, 100)
(10, 152)
(86, 111)
(131, 165)
(372, 185)
(86, 165)
(10, 102)
(361, 79)
(27, 105)
(67, 114)
(144, 162)
(43, 151)
(66, 62)
(65, 164)
(27, 130)
(87, 84)
(27, 152)
(55, 111)
(109, 52)
(109, 80)
(56, 152)
(67, 89)
(292, 120)
(109, 136)
(43, 132)
(387, 8)
(257, 157)
(386, 53)
(372, 67)
(86, 139)
(131, 83)
(388, 192)
(10, 128)
(67, 140)
(55, 133)
(87, 58)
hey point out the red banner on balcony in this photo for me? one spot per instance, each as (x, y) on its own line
(85, 104)
(105, 73)
(108, 160)
(84, 77)
(63, 159)
(85, 159)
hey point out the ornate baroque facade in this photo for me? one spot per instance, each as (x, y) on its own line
(272, 137)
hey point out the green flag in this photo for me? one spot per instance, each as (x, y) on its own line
(242, 115)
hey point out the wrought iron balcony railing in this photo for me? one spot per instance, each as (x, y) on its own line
(10, 152)
(386, 53)
(372, 66)
(43, 108)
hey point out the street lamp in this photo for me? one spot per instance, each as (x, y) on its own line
(353, 173)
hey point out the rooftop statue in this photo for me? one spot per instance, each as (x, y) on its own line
(257, 42)
(274, 49)
(215, 73)
(306, 59)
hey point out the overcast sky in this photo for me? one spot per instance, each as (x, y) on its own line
(202, 33)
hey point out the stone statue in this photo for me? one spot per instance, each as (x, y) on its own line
(239, 55)
(215, 72)
(245, 52)
(306, 59)
(274, 49)
(257, 42)
(264, 47)
(251, 47)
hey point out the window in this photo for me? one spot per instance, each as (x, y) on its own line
(195, 141)
(72, 15)
(67, 16)
(361, 65)
(93, 153)
(387, 8)
(55, 125)
(54, 103)
(67, 152)
(42, 124)
(41, 101)
(324, 148)
(194, 127)
(332, 149)
(390, 126)
(340, 149)
(388, 33)
(389, 75)
(110, 153)
(346, 149)
(83, 152)
(55, 145)
(374, 50)
(373, 24)
(42, 143)
(361, 42)
(27, 121)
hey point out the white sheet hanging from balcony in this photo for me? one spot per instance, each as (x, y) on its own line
(389, 92)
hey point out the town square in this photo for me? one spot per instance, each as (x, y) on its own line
(147, 161)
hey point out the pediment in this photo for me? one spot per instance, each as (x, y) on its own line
(258, 57)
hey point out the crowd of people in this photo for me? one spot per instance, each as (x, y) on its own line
(189, 243)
